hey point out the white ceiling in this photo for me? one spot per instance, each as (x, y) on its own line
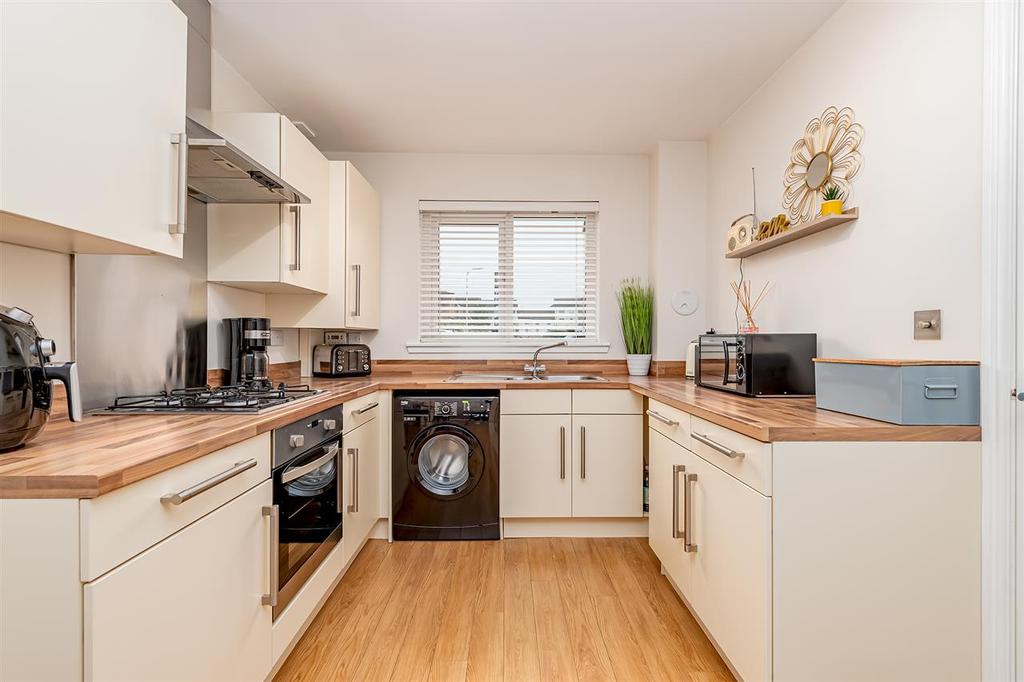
(509, 77)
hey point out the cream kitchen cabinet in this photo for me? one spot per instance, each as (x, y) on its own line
(536, 474)
(557, 462)
(189, 608)
(273, 248)
(607, 465)
(362, 252)
(361, 494)
(353, 293)
(813, 582)
(92, 95)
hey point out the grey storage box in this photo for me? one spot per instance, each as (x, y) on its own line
(900, 391)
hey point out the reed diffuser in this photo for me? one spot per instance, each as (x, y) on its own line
(749, 304)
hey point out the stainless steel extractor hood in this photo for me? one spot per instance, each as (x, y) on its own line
(221, 173)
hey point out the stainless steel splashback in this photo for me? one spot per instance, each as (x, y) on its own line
(140, 321)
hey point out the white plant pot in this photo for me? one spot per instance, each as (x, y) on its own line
(639, 365)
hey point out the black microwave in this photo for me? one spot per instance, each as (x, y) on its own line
(757, 365)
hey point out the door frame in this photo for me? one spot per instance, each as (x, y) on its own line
(1001, 212)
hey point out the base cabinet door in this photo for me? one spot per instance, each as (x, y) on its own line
(729, 563)
(665, 519)
(361, 480)
(536, 471)
(190, 607)
(607, 465)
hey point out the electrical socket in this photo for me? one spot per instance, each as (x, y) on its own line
(276, 337)
(355, 337)
(335, 337)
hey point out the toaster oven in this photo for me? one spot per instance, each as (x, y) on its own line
(341, 360)
(757, 365)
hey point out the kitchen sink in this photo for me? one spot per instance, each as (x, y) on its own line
(487, 378)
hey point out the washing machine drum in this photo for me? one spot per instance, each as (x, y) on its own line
(446, 461)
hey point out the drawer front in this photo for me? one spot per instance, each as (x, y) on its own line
(536, 401)
(361, 410)
(608, 401)
(669, 421)
(124, 522)
(745, 458)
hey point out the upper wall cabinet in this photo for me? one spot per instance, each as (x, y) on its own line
(272, 248)
(353, 297)
(92, 95)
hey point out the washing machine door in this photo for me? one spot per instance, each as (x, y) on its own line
(446, 461)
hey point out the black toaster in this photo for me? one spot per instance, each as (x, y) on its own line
(341, 360)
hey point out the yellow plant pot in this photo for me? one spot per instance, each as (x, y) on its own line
(833, 207)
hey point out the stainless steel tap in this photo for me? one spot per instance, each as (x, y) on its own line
(533, 368)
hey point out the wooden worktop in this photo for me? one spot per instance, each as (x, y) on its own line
(106, 452)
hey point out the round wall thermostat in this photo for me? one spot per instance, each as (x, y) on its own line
(685, 302)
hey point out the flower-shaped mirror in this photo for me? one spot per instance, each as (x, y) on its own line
(827, 154)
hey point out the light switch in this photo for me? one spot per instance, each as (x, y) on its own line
(927, 325)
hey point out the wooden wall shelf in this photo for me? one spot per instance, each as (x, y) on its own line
(795, 232)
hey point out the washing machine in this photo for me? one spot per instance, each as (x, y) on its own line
(444, 473)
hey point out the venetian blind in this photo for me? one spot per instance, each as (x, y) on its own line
(507, 276)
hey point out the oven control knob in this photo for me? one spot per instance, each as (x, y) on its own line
(296, 441)
(330, 424)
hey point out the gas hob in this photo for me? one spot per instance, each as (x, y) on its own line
(248, 399)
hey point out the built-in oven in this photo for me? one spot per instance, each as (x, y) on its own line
(307, 510)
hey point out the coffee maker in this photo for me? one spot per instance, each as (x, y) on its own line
(249, 363)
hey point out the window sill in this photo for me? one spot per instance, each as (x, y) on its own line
(587, 348)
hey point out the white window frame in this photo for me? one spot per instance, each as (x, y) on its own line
(502, 213)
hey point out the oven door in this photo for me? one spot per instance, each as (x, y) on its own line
(307, 491)
(719, 365)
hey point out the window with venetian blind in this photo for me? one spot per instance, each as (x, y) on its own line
(510, 276)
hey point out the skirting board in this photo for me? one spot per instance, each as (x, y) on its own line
(575, 528)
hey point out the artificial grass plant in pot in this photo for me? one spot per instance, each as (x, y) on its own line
(636, 308)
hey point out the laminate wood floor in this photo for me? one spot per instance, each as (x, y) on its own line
(522, 609)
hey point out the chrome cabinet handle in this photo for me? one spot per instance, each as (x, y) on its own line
(583, 453)
(662, 418)
(296, 264)
(299, 472)
(274, 512)
(366, 409)
(354, 507)
(339, 482)
(561, 448)
(725, 450)
(181, 139)
(688, 544)
(953, 389)
(201, 487)
(358, 305)
(676, 470)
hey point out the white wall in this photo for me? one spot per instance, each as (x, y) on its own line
(618, 182)
(40, 282)
(678, 242)
(912, 74)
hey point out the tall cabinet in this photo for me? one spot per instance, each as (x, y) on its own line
(92, 95)
(273, 248)
(353, 257)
